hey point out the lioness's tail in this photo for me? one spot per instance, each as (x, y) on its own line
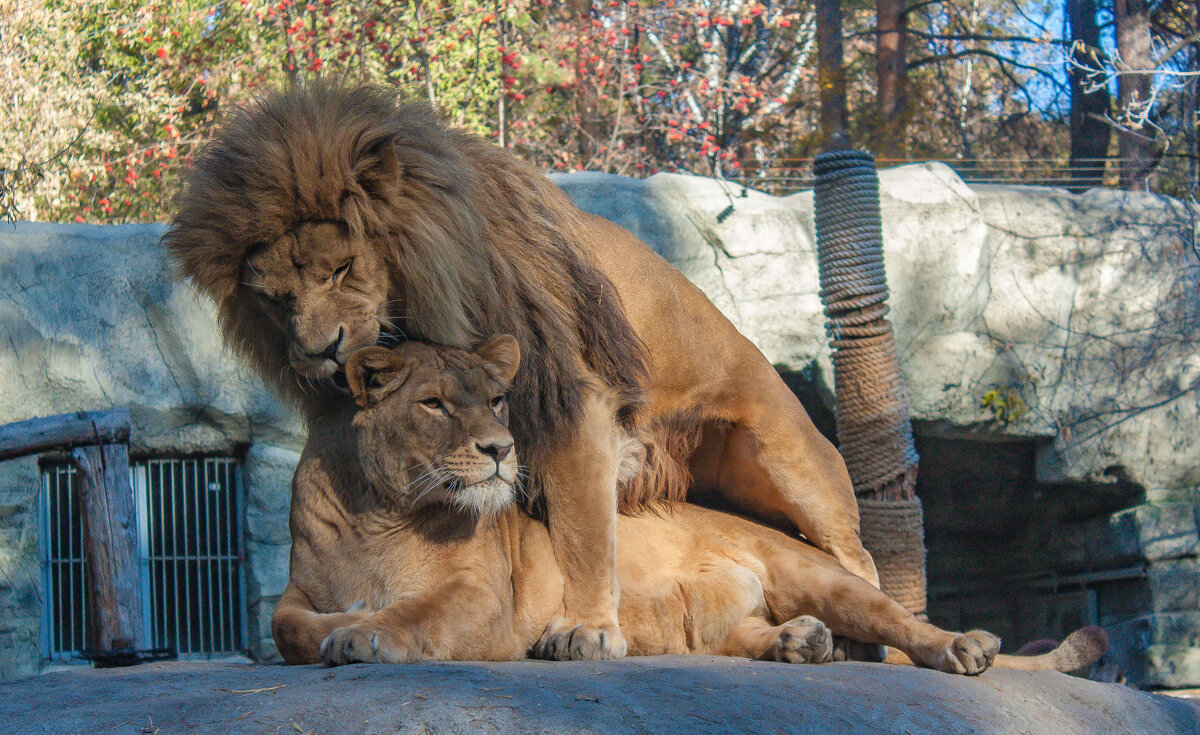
(1082, 648)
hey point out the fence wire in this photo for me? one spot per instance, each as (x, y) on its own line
(1178, 174)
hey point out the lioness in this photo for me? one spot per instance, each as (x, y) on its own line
(325, 217)
(408, 545)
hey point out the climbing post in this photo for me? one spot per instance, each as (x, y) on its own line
(874, 433)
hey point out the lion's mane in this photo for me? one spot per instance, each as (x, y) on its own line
(476, 243)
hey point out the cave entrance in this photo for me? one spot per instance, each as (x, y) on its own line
(1017, 557)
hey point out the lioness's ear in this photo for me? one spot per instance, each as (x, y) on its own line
(503, 352)
(371, 368)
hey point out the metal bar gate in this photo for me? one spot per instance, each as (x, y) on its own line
(190, 549)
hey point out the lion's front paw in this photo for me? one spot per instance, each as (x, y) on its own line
(364, 643)
(969, 653)
(803, 640)
(566, 641)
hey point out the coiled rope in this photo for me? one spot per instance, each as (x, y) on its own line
(874, 433)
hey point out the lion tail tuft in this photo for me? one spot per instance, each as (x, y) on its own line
(1080, 649)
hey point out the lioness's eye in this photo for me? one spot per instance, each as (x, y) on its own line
(434, 403)
(342, 270)
(497, 402)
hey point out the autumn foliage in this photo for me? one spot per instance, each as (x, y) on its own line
(112, 97)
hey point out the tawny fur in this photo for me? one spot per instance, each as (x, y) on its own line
(324, 218)
(439, 583)
(474, 241)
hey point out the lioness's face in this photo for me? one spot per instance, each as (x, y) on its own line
(432, 426)
(325, 289)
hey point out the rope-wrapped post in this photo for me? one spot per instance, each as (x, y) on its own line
(874, 433)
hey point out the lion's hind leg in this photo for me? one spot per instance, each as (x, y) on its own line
(771, 462)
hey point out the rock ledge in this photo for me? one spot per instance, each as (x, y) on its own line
(667, 694)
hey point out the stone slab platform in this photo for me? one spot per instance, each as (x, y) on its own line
(670, 694)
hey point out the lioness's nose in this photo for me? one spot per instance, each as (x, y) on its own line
(330, 352)
(494, 450)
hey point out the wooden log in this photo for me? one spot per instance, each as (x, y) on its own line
(110, 545)
(63, 432)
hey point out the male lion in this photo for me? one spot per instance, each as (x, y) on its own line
(408, 546)
(323, 218)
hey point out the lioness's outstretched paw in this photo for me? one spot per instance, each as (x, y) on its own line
(364, 643)
(969, 653)
(802, 640)
(566, 641)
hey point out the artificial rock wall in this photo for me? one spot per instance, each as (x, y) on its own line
(91, 317)
(1049, 343)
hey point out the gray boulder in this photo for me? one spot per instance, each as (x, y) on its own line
(667, 694)
(1080, 313)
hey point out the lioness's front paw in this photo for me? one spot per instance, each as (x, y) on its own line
(802, 640)
(364, 643)
(566, 641)
(969, 653)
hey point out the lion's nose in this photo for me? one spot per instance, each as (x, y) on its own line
(330, 352)
(494, 450)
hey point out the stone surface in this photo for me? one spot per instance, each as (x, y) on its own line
(20, 569)
(1148, 532)
(268, 471)
(1174, 585)
(684, 694)
(1158, 650)
(1081, 311)
(90, 317)
(1159, 531)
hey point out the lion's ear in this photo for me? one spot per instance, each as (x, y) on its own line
(377, 169)
(504, 353)
(370, 369)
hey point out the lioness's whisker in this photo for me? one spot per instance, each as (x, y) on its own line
(429, 472)
(424, 480)
(522, 475)
(435, 478)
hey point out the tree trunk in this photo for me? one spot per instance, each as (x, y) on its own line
(586, 97)
(101, 458)
(1090, 134)
(891, 75)
(1137, 146)
(110, 546)
(831, 76)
